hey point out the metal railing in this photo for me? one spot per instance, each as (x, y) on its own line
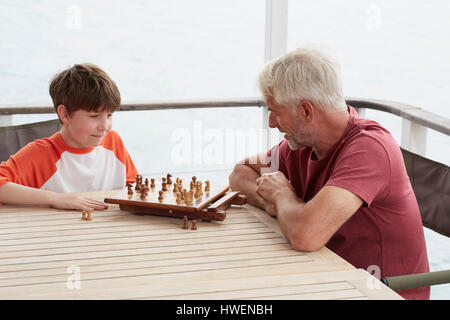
(154, 105)
(415, 121)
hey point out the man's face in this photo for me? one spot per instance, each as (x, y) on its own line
(86, 129)
(297, 133)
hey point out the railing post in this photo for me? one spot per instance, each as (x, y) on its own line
(275, 43)
(361, 112)
(414, 137)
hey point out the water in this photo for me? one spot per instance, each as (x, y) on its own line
(172, 50)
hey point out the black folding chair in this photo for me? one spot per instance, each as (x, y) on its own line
(431, 183)
(12, 138)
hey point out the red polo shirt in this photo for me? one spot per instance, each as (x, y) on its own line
(386, 232)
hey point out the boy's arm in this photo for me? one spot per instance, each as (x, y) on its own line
(12, 193)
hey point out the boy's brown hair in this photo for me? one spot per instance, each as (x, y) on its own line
(84, 86)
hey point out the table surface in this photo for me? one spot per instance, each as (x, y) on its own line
(52, 254)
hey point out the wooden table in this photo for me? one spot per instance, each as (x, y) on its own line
(53, 254)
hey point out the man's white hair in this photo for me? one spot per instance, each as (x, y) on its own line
(303, 74)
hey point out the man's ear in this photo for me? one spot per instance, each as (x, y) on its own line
(63, 114)
(305, 110)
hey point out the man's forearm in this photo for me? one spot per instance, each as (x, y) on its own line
(289, 216)
(243, 178)
(295, 225)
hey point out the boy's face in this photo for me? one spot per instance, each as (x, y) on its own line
(83, 129)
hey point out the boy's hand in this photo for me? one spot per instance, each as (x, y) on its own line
(71, 201)
(12, 193)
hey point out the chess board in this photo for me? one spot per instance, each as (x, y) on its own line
(211, 205)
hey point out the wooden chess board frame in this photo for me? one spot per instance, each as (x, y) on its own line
(211, 206)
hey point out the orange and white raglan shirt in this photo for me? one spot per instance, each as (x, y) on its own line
(50, 164)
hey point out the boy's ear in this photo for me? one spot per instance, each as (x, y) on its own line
(63, 115)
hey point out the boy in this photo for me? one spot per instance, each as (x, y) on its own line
(86, 155)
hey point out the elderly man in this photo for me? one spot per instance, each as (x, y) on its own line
(337, 180)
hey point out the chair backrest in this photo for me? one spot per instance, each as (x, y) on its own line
(431, 183)
(12, 138)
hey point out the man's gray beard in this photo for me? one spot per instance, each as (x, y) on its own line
(292, 145)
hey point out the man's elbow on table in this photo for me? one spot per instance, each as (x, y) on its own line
(303, 241)
(305, 246)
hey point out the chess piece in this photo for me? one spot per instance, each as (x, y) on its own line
(178, 199)
(143, 193)
(194, 225)
(83, 215)
(164, 186)
(185, 223)
(89, 215)
(169, 180)
(207, 186)
(152, 185)
(146, 182)
(189, 198)
(138, 182)
(194, 178)
(197, 194)
(161, 197)
(130, 189)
